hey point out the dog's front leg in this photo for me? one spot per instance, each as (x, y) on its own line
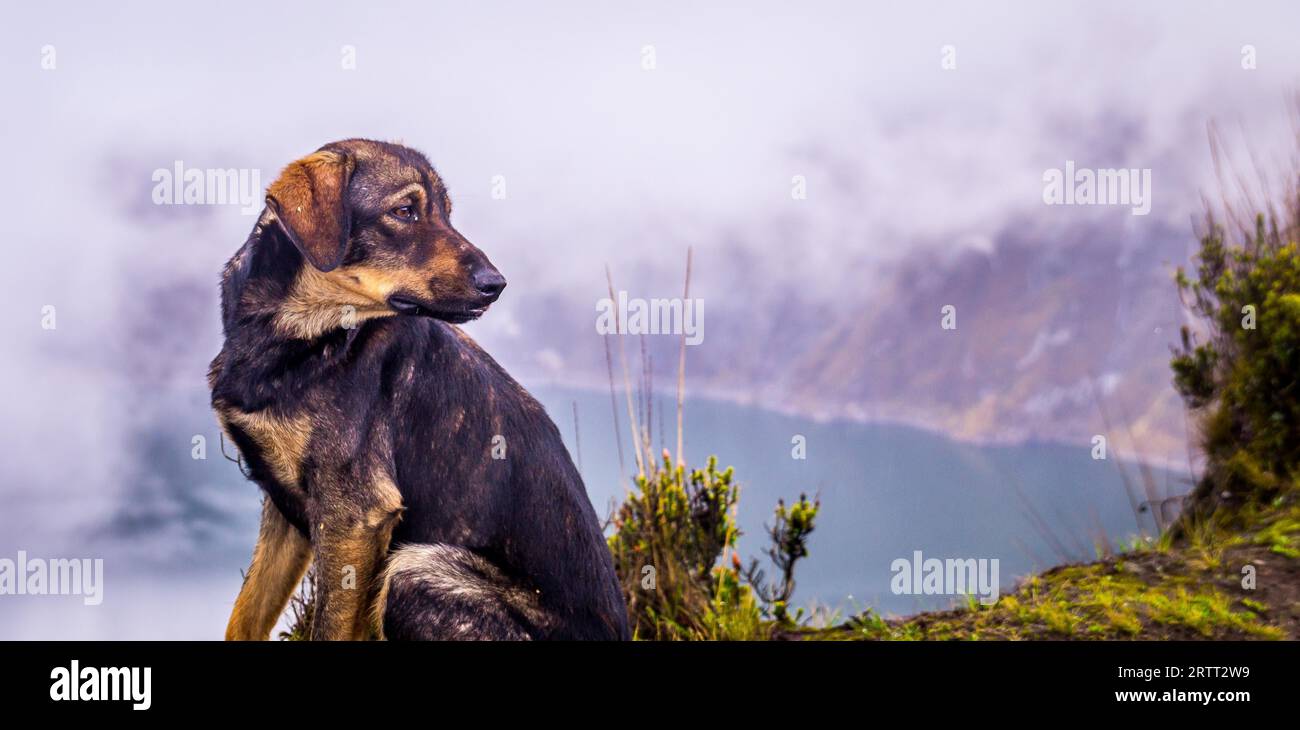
(279, 560)
(349, 551)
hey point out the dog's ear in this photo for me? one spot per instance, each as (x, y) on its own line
(310, 201)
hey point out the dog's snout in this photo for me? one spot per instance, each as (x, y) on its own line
(489, 282)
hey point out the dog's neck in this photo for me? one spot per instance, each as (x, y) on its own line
(269, 285)
(318, 304)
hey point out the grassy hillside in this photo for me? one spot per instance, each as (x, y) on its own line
(1155, 591)
(1212, 578)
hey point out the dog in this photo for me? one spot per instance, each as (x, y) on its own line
(433, 494)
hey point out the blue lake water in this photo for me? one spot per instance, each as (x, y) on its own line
(886, 491)
(175, 531)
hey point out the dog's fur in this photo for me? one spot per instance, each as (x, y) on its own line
(371, 423)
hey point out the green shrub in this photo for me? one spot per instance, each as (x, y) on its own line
(674, 548)
(1240, 373)
(789, 533)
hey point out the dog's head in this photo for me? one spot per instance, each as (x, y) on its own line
(371, 221)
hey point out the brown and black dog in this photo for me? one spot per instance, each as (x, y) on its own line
(432, 491)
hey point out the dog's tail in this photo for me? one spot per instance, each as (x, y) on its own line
(434, 591)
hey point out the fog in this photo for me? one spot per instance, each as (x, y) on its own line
(603, 161)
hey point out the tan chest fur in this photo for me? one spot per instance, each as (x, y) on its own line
(283, 441)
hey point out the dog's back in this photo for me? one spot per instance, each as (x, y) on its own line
(482, 468)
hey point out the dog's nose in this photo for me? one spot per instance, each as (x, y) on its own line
(489, 282)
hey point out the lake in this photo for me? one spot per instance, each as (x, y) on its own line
(175, 531)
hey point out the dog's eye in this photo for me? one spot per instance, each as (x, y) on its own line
(406, 213)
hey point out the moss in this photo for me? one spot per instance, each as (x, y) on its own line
(1254, 605)
(1105, 600)
(1282, 537)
